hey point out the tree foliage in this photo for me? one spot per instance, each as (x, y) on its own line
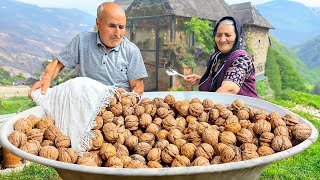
(272, 71)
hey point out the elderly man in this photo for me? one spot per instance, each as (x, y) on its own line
(106, 56)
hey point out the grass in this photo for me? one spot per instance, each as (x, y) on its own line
(12, 105)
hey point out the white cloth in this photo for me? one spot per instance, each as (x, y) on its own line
(74, 105)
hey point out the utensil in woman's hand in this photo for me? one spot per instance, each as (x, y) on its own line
(170, 71)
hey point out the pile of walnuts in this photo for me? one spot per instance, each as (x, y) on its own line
(156, 133)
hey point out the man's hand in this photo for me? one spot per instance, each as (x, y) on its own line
(137, 85)
(44, 83)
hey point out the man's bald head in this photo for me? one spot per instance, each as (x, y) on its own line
(106, 8)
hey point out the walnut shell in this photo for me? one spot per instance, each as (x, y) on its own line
(134, 164)
(131, 142)
(180, 161)
(114, 162)
(127, 110)
(35, 134)
(281, 143)
(45, 122)
(216, 160)
(107, 150)
(145, 120)
(188, 150)
(275, 122)
(242, 114)
(290, 120)
(98, 122)
(47, 143)
(265, 150)
(281, 130)
(161, 143)
(117, 109)
(257, 114)
(150, 109)
(107, 117)
(142, 148)
(261, 126)
(49, 152)
(87, 161)
(232, 124)
(227, 137)
(174, 134)
(213, 115)
(121, 150)
(138, 157)
(138, 110)
(249, 154)
(273, 116)
(31, 146)
(231, 154)
(210, 136)
(202, 126)
(196, 109)
(237, 104)
(266, 137)
(154, 155)
(152, 128)
(33, 119)
(17, 138)
(169, 123)
(62, 141)
(22, 125)
(52, 132)
(169, 153)
(301, 131)
(67, 155)
(97, 142)
(162, 112)
(194, 138)
(131, 122)
(95, 155)
(248, 147)
(179, 143)
(218, 148)
(244, 136)
(204, 117)
(154, 164)
(205, 150)
(200, 161)
(148, 138)
(125, 159)
(225, 113)
(207, 104)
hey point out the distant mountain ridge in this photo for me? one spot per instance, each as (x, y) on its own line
(294, 23)
(309, 52)
(30, 34)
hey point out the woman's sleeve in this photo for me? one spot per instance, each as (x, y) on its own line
(239, 70)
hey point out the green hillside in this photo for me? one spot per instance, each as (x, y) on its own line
(309, 52)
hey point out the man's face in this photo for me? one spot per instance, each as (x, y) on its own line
(112, 28)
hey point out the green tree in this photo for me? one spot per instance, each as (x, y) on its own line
(272, 71)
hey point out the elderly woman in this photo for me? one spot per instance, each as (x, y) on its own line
(229, 69)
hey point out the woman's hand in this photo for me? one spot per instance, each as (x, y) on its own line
(192, 79)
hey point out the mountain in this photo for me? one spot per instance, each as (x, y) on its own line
(30, 34)
(309, 52)
(294, 23)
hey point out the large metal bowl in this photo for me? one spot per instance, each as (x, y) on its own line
(250, 169)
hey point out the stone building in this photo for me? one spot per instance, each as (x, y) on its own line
(153, 24)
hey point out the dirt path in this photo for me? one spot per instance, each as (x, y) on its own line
(13, 91)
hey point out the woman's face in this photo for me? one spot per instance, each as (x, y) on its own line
(225, 37)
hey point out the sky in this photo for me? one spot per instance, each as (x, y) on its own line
(90, 6)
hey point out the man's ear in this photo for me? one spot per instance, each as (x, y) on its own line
(97, 23)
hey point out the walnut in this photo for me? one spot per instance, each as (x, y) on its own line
(45, 122)
(301, 131)
(244, 136)
(192, 126)
(154, 155)
(17, 138)
(180, 161)
(200, 161)
(243, 114)
(87, 161)
(220, 121)
(22, 125)
(113, 101)
(145, 120)
(154, 164)
(218, 148)
(153, 128)
(169, 99)
(183, 110)
(133, 99)
(114, 162)
(67, 155)
(49, 152)
(227, 137)
(257, 114)
(138, 157)
(145, 101)
(157, 101)
(109, 127)
(205, 150)
(190, 118)
(225, 113)
(204, 117)
(47, 143)
(210, 136)
(127, 110)
(179, 143)
(62, 141)
(117, 109)
(119, 121)
(51, 133)
(150, 109)
(195, 100)
(213, 115)
(188, 150)
(95, 155)
(207, 104)
(244, 123)
(134, 164)
(31, 146)
(261, 126)
(98, 122)
(248, 147)
(232, 124)
(237, 104)
(162, 112)
(196, 109)
(169, 123)
(125, 159)
(138, 110)
(281, 130)
(157, 121)
(33, 119)
(162, 143)
(35, 134)
(266, 137)
(178, 104)
(107, 117)
(275, 122)
(107, 150)
(97, 141)
(125, 101)
(148, 138)
(169, 153)
(131, 142)
(273, 116)
(281, 143)
(142, 148)
(290, 120)
(194, 138)
(216, 160)
(131, 122)
(231, 154)
(202, 126)
(249, 154)
(174, 134)
(265, 150)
